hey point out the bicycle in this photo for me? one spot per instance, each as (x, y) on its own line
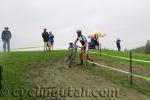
(71, 56)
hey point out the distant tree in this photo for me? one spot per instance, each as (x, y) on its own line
(125, 50)
(147, 47)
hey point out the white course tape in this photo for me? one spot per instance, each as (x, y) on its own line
(39, 48)
(138, 60)
(146, 78)
(26, 48)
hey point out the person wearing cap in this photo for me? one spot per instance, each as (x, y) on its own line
(45, 39)
(6, 36)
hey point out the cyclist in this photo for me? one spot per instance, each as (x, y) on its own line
(83, 42)
(96, 40)
(70, 46)
(85, 46)
(92, 43)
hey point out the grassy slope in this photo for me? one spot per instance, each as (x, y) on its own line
(127, 55)
(15, 64)
(140, 85)
(139, 49)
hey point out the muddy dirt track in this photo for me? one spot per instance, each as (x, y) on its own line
(56, 76)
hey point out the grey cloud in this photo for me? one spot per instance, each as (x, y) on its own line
(118, 18)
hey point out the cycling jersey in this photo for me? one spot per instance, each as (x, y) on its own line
(82, 39)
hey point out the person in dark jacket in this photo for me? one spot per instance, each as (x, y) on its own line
(6, 36)
(45, 39)
(118, 44)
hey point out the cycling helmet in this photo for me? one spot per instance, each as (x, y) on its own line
(71, 43)
(79, 32)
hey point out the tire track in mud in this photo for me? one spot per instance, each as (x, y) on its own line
(57, 75)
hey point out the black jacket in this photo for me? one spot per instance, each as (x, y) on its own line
(45, 36)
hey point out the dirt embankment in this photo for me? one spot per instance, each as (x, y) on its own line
(57, 76)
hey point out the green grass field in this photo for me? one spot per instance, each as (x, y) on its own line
(140, 68)
(139, 56)
(16, 64)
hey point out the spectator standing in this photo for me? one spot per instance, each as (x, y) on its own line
(45, 39)
(51, 41)
(118, 44)
(6, 36)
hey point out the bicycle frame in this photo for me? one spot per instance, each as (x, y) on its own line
(72, 55)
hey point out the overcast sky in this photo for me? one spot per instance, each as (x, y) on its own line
(125, 19)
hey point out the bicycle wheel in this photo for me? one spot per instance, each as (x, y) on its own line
(73, 55)
(69, 58)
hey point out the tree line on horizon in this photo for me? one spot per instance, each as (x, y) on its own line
(143, 49)
(147, 47)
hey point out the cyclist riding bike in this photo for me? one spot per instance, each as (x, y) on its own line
(85, 46)
(70, 46)
(96, 39)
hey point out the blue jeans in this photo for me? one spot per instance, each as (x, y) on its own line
(6, 43)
